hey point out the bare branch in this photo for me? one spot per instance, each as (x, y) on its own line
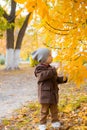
(10, 18)
(5, 15)
(56, 32)
(55, 28)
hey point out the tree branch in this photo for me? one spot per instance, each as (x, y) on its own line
(55, 28)
(62, 30)
(12, 13)
(56, 32)
(22, 32)
(10, 18)
(13, 7)
(4, 14)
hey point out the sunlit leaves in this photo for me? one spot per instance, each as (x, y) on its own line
(70, 19)
(31, 5)
(38, 5)
(64, 27)
(21, 1)
(3, 22)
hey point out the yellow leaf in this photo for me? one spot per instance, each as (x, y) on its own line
(42, 9)
(20, 1)
(31, 17)
(31, 5)
(18, 12)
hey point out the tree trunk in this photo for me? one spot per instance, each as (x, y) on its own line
(9, 59)
(10, 49)
(16, 58)
(12, 59)
(19, 42)
(13, 53)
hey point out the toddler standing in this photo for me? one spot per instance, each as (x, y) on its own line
(47, 81)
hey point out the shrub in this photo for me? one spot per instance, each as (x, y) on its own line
(32, 62)
(2, 61)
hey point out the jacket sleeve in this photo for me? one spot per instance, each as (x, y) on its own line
(61, 80)
(45, 74)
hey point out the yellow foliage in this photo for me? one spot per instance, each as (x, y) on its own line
(18, 12)
(64, 27)
(31, 17)
(31, 5)
(20, 1)
(68, 108)
(42, 9)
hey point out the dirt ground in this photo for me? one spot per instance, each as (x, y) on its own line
(19, 87)
(16, 88)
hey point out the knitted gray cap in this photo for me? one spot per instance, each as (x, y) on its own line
(41, 54)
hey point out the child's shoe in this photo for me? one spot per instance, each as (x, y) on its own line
(56, 125)
(42, 127)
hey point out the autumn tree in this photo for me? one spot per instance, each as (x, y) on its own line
(66, 31)
(64, 26)
(13, 47)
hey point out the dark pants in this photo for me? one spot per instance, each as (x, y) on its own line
(45, 111)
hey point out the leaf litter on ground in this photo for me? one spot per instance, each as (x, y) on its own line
(72, 111)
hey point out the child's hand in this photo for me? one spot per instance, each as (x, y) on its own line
(60, 71)
(56, 65)
(64, 78)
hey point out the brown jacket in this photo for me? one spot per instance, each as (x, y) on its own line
(47, 84)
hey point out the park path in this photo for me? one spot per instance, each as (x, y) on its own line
(16, 88)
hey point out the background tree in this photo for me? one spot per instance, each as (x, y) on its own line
(13, 47)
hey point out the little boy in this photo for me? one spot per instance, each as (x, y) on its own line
(47, 87)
